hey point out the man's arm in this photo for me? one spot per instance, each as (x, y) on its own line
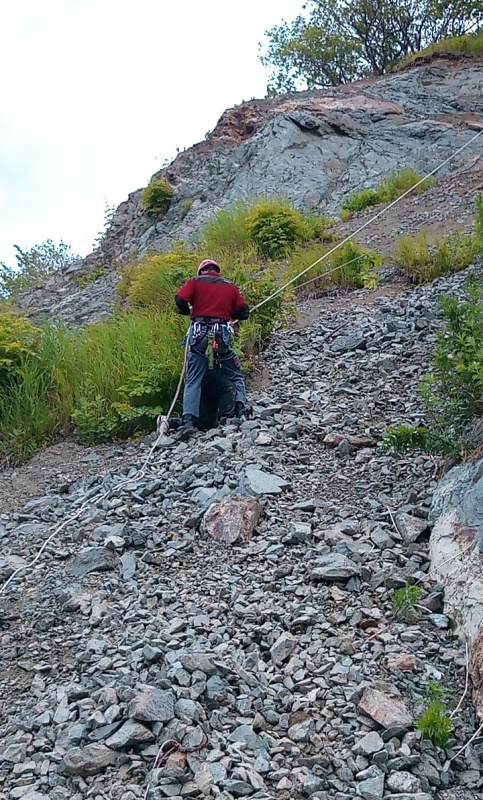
(241, 310)
(184, 297)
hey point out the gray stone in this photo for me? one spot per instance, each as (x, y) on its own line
(152, 705)
(282, 648)
(129, 734)
(90, 760)
(93, 559)
(403, 782)
(333, 567)
(260, 482)
(369, 744)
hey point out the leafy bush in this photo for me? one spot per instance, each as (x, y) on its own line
(154, 281)
(34, 266)
(453, 392)
(435, 722)
(348, 266)
(468, 45)
(156, 198)
(421, 262)
(404, 600)
(275, 227)
(18, 341)
(396, 184)
(106, 380)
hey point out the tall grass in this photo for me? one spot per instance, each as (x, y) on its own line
(421, 260)
(395, 185)
(469, 45)
(97, 381)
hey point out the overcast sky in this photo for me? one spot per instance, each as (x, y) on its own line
(97, 94)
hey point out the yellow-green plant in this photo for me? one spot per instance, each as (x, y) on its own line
(156, 198)
(422, 261)
(435, 722)
(467, 45)
(153, 281)
(395, 185)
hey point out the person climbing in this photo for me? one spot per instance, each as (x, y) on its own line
(217, 402)
(213, 302)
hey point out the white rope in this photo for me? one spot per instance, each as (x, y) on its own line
(369, 222)
(163, 419)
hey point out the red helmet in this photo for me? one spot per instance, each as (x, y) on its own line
(208, 265)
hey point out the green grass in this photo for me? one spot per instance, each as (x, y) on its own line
(395, 185)
(98, 381)
(469, 45)
(421, 260)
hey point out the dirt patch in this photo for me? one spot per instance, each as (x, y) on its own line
(56, 467)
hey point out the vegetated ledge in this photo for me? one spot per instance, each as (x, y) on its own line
(457, 560)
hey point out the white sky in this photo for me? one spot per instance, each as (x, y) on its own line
(96, 94)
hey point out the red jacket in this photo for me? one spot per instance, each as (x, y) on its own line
(210, 295)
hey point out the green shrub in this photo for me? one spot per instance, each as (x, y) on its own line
(468, 45)
(453, 391)
(420, 262)
(396, 184)
(349, 266)
(404, 600)
(86, 277)
(18, 341)
(276, 228)
(435, 722)
(156, 198)
(34, 266)
(106, 380)
(153, 282)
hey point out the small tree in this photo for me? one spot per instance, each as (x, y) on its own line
(34, 266)
(338, 41)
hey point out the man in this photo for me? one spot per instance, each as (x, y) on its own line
(217, 404)
(212, 302)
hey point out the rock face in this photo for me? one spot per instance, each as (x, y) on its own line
(320, 146)
(457, 558)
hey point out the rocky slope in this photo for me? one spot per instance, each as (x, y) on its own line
(276, 663)
(320, 146)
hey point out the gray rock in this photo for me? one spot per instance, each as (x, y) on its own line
(333, 567)
(152, 705)
(369, 744)
(260, 482)
(131, 733)
(93, 559)
(90, 760)
(282, 648)
(403, 782)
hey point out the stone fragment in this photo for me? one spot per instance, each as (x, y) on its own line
(333, 567)
(233, 519)
(403, 661)
(369, 744)
(348, 342)
(260, 482)
(92, 559)
(335, 438)
(129, 734)
(152, 705)
(410, 527)
(282, 648)
(89, 760)
(385, 710)
(403, 782)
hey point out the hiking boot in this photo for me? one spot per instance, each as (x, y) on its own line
(240, 411)
(188, 426)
